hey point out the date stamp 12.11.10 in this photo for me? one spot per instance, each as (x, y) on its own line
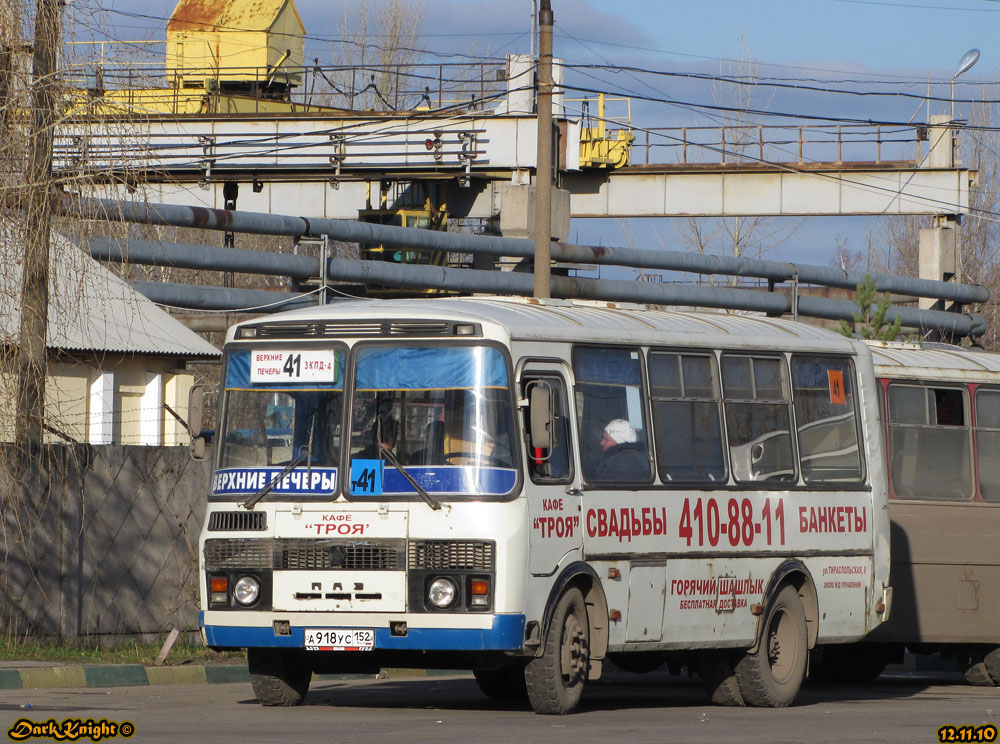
(986, 732)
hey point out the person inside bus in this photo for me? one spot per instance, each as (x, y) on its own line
(384, 431)
(433, 452)
(624, 456)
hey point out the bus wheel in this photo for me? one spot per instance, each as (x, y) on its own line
(718, 676)
(278, 677)
(555, 679)
(502, 684)
(771, 677)
(972, 662)
(992, 660)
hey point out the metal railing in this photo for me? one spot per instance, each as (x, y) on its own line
(469, 85)
(801, 145)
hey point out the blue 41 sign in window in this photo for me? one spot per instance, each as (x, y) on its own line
(366, 477)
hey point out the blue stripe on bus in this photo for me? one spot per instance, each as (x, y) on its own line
(507, 634)
(450, 479)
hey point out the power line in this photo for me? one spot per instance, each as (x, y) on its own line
(920, 7)
(310, 37)
(735, 80)
(797, 68)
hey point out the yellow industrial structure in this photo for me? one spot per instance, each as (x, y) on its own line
(223, 57)
(597, 150)
(246, 57)
(254, 47)
(427, 218)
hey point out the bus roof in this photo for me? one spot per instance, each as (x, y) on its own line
(523, 319)
(900, 360)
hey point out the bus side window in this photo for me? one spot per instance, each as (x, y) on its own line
(552, 464)
(988, 443)
(609, 391)
(825, 417)
(758, 421)
(930, 444)
(687, 426)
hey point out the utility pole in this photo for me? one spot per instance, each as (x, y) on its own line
(543, 166)
(31, 357)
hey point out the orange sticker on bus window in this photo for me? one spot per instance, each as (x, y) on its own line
(836, 378)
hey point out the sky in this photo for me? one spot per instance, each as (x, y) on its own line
(903, 47)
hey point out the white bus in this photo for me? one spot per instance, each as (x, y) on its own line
(527, 488)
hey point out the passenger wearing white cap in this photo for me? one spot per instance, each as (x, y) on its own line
(624, 456)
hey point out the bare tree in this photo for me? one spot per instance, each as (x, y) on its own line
(378, 41)
(738, 236)
(980, 235)
(896, 245)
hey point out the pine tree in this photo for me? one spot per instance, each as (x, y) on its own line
(869, 325)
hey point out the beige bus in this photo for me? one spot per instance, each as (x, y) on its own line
(941, 411)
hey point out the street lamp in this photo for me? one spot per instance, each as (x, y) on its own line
(968, 60)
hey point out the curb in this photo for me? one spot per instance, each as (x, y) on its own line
(137, 675)
(118, 675)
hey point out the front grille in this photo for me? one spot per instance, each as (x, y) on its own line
(286, 330)
(235, 521)
(353, 555)
(440, 555)
(354, 328)
(307, 554)
(237, 554)
(419, 328)
(361, 329)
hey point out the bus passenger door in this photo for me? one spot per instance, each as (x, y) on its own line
(552, 483)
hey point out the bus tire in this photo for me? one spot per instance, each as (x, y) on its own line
(555, 679)
(502, 684)
(972, 662)
(771, 676)
(718, 677)
(278, 677)
(992, 661)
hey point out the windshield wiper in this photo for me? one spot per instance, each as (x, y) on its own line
(421, 492)
(251, 502)
(305, 455)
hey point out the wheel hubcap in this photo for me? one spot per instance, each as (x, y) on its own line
(573, 652)
(781, 648)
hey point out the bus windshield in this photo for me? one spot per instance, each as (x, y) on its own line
(442, 414)
(275, 412)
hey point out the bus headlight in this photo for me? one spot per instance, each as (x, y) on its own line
(246, 590)
(442, 592)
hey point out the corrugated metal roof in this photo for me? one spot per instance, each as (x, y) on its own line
(557, 320)
(91, 309)
(930, 363)
(225, 15)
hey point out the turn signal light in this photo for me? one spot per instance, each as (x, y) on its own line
(218, 587)
(479, 592)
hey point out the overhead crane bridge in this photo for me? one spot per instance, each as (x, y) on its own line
(234, 123)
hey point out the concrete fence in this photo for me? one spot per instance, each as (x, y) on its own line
(101, 543)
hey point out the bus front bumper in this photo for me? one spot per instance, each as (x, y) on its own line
(506, 633)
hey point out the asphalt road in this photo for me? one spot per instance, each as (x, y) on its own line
(903, 707)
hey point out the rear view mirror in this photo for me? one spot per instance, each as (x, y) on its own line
(540, 414)
(196, 414)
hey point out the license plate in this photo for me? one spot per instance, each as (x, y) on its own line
(339, 639)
